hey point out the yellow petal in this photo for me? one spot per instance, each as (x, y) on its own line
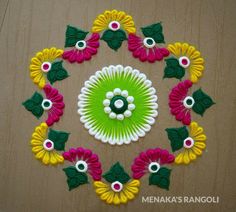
(34, 67)
(100, 184)
(198, 61)
(186, 158)
(193, 78)
(36, 61)
(116, 199)
(200, 145)
(192, 155)
(201, 137)
(128, 194)
(190, 51)
(35, 142)
(132, 189)
(53, 159)
(40, 57)
(40, 154)
(195, 55)
(195, 129)
(100, 191)
(196, 150)
(46, 158)
(59, 158)
(123, 198)
(46, 54)
(172, 49)
(135, 183)
(179, 158)
(36, 149)
(184, 48)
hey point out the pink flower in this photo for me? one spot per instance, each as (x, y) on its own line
(53, 104)
(85, 157)
(146, 161)
(181, 104)
(83, 49)
(145, 49)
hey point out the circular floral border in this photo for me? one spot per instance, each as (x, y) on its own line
(118, 104)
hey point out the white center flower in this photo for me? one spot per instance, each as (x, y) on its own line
(118, 104)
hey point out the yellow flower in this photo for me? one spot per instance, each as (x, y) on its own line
(195, 149)
(108, 195)
(41, 64)
(45, 154)
(193, 60)
(103, 20)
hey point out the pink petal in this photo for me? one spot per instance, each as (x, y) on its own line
(143, 55)
(73, 154)
(87, 54)
(66, 156)
(151, 55)
(158, 54)
(67, 54)
(164, 52)
(80, 57)
(138, 175)
(151, 154)
(80, 152)
(73, 56)
(187, 118)
(93, 159)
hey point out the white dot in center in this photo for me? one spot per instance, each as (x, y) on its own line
(119, 103)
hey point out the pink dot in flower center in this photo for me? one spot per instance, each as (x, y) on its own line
(48, 144)
(117, 186)
(114, 25)
(45, 66)
(188, 142)
(184, 61)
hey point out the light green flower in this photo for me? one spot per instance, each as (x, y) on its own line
(118, 105)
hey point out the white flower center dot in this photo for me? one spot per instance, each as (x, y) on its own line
(81, 166)
(80, 45)
(149, 42)
(184, 61)
(116, 186)
(188, 143)
(46, 66)
(154, 167)
(188, 102)
(114, 25)
(48, 145)
(46, 104)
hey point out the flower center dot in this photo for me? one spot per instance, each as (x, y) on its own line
(149, 41)
(48, 144)
(185, 62)
(117, 186)
(46, 66)
(189, 101)
(119, 103)
(114, 25)
(188, 142)
(154, 167)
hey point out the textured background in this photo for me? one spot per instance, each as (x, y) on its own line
(28, 26)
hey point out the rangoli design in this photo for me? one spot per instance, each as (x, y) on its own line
(118, 105)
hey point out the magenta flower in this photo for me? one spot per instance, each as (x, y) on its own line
(53, 103)
(151, 162)
(84, 161)
(83, 49)
(146, 49)
(180, 103)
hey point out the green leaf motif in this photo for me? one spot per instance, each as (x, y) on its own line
(161, 178)
(57, 72)
(202, 102)
(34, 104)
(173, 69)
(114, 39)
(154, 31)
(73, 35)
(59, 139)
(116, 173)
(75, 178)
(177, 136)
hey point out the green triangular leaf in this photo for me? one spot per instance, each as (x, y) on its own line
(154, 31)
(70, 171)
(116, 173)
(57, 72)
(73, 35)
(114, 39)
(59, 139)
(75, 178)
(202, 102)
(161, 178)
(177, 136)
(173, 69)
(34, 104)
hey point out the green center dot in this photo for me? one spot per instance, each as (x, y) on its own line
(81, 166)
(149, 41)
(121, 109)
(154, 167)
(46, 104)
(80, 44)
(189, 101)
